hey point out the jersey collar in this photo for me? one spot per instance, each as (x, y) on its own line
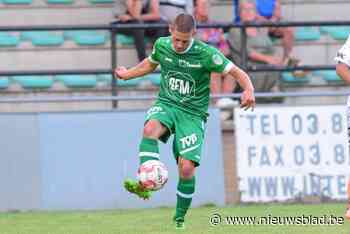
(186, 50)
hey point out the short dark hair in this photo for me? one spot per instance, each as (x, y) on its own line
(184, 23)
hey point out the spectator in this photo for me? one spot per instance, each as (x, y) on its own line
(235, 11)
(139, 11)
(260, 49)
(270, 11)
(219, 83)
(169, 9)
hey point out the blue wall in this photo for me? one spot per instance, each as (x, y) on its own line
(20, 176)
(80, 160)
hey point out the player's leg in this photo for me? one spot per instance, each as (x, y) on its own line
(154, 129)
(148, 150)
(185, 190)
(158, 126)
(188, 141)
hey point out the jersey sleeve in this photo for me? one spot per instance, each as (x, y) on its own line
(343, 55)
(154, 57)
(217, 62)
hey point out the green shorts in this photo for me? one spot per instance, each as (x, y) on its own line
(188, 130)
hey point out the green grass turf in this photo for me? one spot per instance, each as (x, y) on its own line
(159, 221)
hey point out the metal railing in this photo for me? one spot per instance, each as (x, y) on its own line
(152, 97)
(114, 27)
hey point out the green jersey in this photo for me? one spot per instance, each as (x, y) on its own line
(185, 77)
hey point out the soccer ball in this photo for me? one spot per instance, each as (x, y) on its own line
(152, 175)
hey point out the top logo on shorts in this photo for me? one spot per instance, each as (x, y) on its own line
(217, 59)
(154, 110)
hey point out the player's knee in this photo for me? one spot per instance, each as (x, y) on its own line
(186, 172)
(150, 130)
(186, 169)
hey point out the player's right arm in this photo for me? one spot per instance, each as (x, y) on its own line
(141, 69)
(148, 65)
(343, 59)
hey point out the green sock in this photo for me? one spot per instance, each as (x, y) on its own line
(185, 191)
(148, 150)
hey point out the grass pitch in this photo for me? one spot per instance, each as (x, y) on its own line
(159, 221)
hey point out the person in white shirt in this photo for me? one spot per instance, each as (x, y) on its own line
(343, 70)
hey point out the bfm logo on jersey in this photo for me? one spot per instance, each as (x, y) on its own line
(188, 141)
(182, 86)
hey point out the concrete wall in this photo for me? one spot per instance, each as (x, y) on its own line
(54, 161)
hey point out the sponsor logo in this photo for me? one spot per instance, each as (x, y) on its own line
(181, 86)
(154, 110)
(184, 63)
(217, 59)
(168, 60)
(188, 141)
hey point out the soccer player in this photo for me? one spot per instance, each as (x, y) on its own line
(343, 70)
(182, 103)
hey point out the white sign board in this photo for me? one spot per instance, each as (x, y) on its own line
(288, 152)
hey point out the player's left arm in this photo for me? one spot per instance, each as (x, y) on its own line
(247, 98)
(217, 62)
